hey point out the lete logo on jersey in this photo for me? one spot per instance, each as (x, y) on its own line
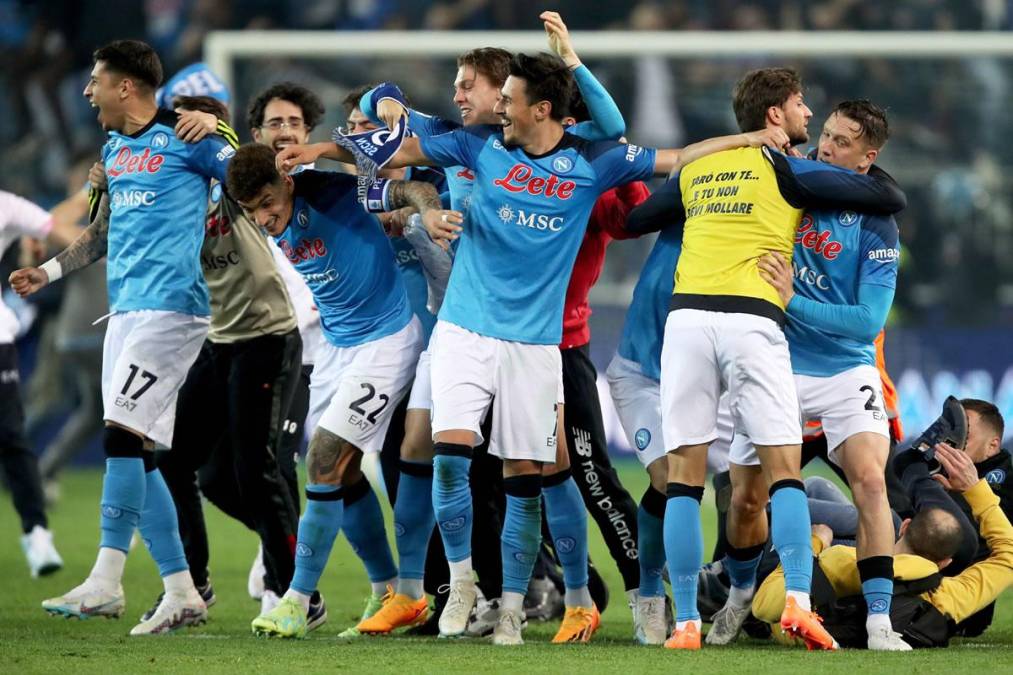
(808, 236)
(520, 179)
(127, 162)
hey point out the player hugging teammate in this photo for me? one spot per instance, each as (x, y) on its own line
(771, 278)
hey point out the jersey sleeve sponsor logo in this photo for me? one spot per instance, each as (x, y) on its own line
(307, 249)
(225, 153)
(535, 221)
(160, 140)
(519, 179)
(632, 151)
(884, 255)
(127, 162)
(819, 242)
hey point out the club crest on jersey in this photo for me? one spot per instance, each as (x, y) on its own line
(562, 164)
(520, 179)
(160, 140)
(303, 218)
(847, 218)
(642, 438)
(995, 477)
(819, 242)
(216, 193)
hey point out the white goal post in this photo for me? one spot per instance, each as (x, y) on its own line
(222, 47)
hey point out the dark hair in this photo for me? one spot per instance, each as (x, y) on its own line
(934, 533)
(308, 102)
(492, 62)
(250, 170)
(758, 91)
(578, 108)
(352, 98)
(208, 104)
(989, 414)
(546, 78)
(871, 120)
(134, 59)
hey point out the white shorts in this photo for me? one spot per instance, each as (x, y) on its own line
(354, 390)
(421, 397)
(521, 382)
(846, 404)
(145, 359)
(637, 400)
(708, 353)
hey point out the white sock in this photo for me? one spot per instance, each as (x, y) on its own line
(380, 587)
(303, 599)
(180, 583)
(578, 597)
(411, 587)
(680, 625)
(801, 599)
(513, 602)
(109, 566)
(631, 598)
(740, 597)
(874, 621)
(461, 570)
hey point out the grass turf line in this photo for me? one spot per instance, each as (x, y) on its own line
(33, 642)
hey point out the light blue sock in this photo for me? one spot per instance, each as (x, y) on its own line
(684, 547)
(452, 504)
(567, 519)
(789, 533)
(651, 546)
(318, 528)
(160, 526)
(123, 488)
(878, 594)
(522, 531)
(413, 518)
(741, 565)
(364, 529)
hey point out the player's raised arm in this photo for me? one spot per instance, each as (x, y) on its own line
(806, 183)
(671, 161)
(606, 119)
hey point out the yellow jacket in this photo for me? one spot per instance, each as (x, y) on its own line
(957, 597)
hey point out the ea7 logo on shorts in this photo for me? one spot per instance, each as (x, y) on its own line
(885, 255)
(565, 544)
(125, 403)
(642, 438)
(452, 525)
(303, 551)
(111, 512)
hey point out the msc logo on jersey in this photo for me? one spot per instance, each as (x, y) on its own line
(133, 198)
(847, 218)
(811, 277)
(505, 213)
(885, 255)
(216, 193)
(160, 140)
(535, 221)
(303, 218)
(642, 438)
(995, 477)
(562, 164)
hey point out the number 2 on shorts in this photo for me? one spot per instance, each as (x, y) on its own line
(356, 405)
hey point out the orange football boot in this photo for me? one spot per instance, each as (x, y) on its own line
(579, 624)
(687, 638)
(807, 626)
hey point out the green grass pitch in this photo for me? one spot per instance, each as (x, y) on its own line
(33, 642)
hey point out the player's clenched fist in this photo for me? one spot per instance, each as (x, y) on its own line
(443, 226)
(28, 280)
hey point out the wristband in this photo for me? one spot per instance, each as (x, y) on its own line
(53, 269)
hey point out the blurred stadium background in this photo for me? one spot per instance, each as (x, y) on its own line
(951, 329)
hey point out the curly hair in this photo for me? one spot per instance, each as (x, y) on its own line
(309, 103)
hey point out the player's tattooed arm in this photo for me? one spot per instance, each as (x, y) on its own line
(442, 225)
(331, 459)
(91, 245)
